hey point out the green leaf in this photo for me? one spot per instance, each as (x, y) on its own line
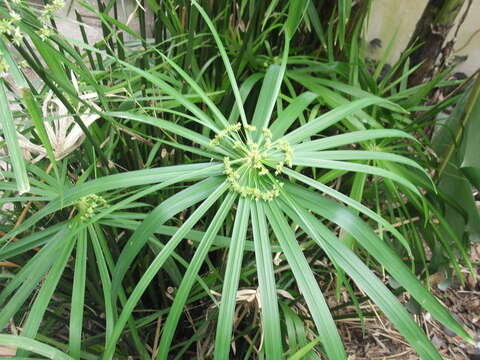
(226, 62)
(14, 150)
(314, 161)
(206, 99)
(200, 116)
(168, 126)
(153, 5)
(33, 346)
(78, 296)
(30, 275)
(44, 296)
(454, 140)
(330, 118)
(37, 118)
(361, 155)
(350, 202)
(338, 86)
(471, 161)
(350, 138)
(105, 279)
(117, 181)
(304, 351)
(166, 210)
(365, 279)
(307, 283)
(266, 282)
(157, 263)
(295, 329)
(379, 249)
(30, 242)
(230, 283)
(245, 90)
(13, 69)
(288, 116)
(52, 58)
(268, 94)
(296, 10)
(189, 277)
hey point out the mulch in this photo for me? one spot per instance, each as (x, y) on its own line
(381, 340)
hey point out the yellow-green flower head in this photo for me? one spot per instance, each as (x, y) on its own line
(54, 6)
(267, 132)
(17, 36)
(254, 161)
(15, 17)
(3, 67)
(6, 26)
(86, 206)
(223, 133)
(45, 32)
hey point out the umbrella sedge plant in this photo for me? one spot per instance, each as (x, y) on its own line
(251, 187)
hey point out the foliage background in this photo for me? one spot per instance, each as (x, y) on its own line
(115, 152)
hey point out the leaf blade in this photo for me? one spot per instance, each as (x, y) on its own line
(13, 145)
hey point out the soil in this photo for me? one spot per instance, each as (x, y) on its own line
(381, 340)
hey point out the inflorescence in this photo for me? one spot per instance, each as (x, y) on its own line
(254, 157)
(225, 132)
(9, 26)
(86, 206)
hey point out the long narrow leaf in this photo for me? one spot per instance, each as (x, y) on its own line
(78, 296)
(189, 277)
(155, 266)
(232, 275)
(359, 272)
(266, 282)
(307, 283)
(34, 346)
(10, 133)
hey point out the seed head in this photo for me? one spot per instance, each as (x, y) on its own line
(267, 132)
(15, 17)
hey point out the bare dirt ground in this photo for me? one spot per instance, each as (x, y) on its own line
(382, 341)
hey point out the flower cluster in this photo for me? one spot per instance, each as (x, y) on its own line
(225, 132)
(267, 133)
(86, 206)
(45, 32)
(287, 150)
(232, 175)
(254, 156)
(55, 5)
(3, 66)
(8, 27)
(14, 17)
(48, 12)
(257, 194)
(249, 191)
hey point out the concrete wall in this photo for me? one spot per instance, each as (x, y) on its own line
(69, 27)
(390, 17)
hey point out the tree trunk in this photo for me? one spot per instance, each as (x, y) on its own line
(430, 33)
